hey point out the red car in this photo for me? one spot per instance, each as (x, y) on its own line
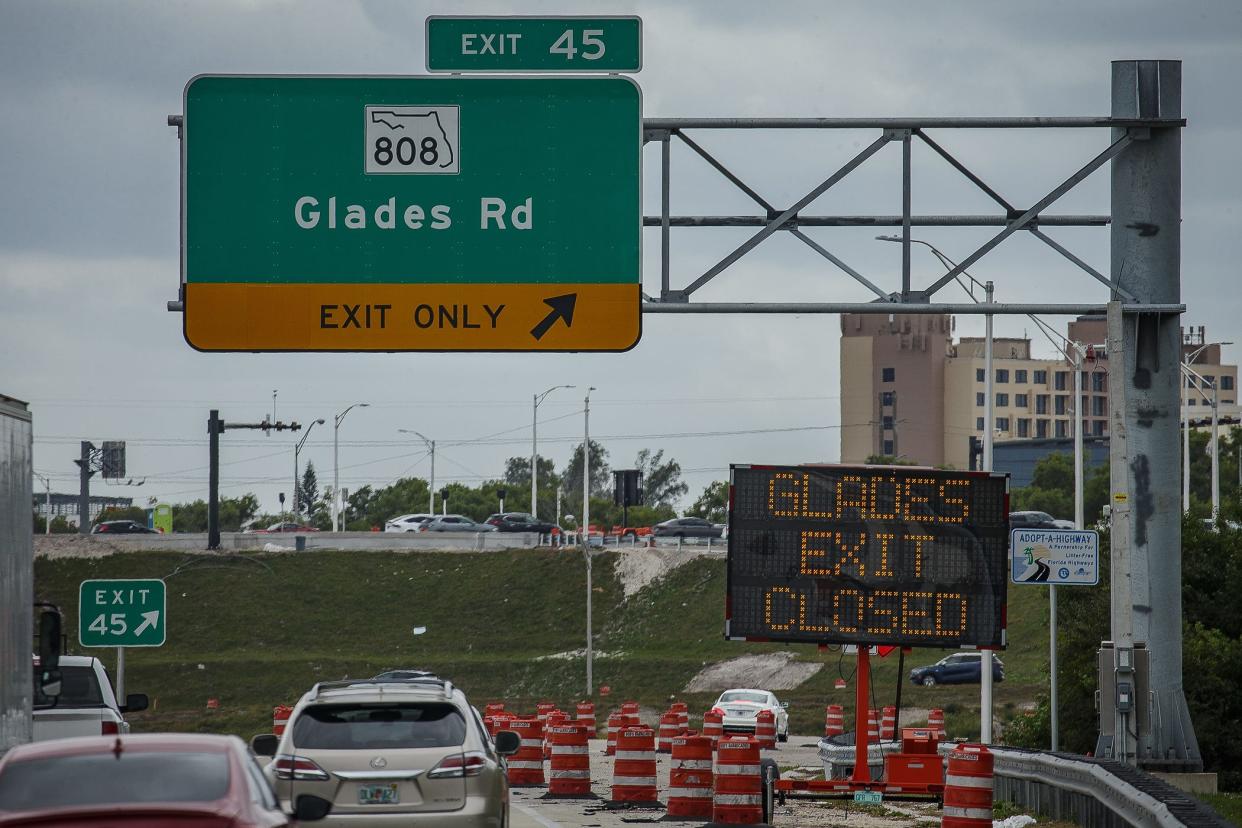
(150, 781)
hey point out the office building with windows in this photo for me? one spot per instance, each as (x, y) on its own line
(908, 390)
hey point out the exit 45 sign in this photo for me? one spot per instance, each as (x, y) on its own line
(411, 213)
(122, 613)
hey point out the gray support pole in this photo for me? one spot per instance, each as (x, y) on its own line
(84, 489)
(989, 423)
(1146, 260)
(214, 426)
(534, 456)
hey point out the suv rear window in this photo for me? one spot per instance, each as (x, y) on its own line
(379, 726)
(105, 779)
(78, 688)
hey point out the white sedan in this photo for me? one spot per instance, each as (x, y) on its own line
(406, 523)
(740, 707)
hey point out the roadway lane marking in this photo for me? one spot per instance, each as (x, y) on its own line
(546, 823)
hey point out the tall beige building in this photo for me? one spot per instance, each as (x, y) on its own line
(908, 390)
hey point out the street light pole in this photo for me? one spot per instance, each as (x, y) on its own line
(1190, 375)
(985, 666)
(431, 484)
(297, 448)
(336, 480)
(586, 530)
(534, 449)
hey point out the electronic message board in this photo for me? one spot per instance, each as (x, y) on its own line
(875, 555)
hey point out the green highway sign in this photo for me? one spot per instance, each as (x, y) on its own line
(122, 613)
(534, 44)
(411, 213)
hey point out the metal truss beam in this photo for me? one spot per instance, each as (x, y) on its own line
(978, 308)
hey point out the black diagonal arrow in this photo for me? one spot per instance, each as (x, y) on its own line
(562, 308)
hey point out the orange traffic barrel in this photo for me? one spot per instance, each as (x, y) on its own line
(615, 723)
(737, 797)
(493, 707)
(569, 771)
(765, 729)
(713, 726)
(542, 709)
(634, 771)
(526, 766)
(968, 788)
(834, 720)
(630, 708)
(280, 718)
(690, 777)
(888, 723)
(555, 717)
(498, 722)
(873, 726)
(683, 714)
(669, 730)
(585, 714)
(935, 721)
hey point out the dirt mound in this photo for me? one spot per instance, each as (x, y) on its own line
(640, 566)
(769, 671)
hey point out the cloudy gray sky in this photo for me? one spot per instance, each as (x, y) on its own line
(89, 227)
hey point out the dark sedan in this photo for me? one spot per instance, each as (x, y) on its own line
(152, 781)
(959, 668)
(519, 522)
(686, 527)
(1032, 520)
(121, 527)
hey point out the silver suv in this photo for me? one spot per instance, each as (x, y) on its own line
(407, 751)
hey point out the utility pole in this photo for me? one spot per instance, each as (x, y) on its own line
(215, 427)
(85, 471)
(297, 487)
(985, 666)
(534, 450)
(336, 465)
(47, 502)
(586, 531)
(431, 485)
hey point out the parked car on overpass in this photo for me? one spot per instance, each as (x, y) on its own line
(454, 523)
(519, 522)
(407, 523)
(686, 527)
(121, 527)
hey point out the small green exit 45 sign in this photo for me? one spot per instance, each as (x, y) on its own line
(122, 613)
(534, 44)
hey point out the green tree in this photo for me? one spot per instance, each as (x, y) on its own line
(1052, 489)
(662, 484)
(713, 504)
(308, 491)
(517, 484)
(234, 513)
(571, 479)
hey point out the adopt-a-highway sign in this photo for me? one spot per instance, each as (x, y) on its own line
(122, 613)
(411, 213)
(1062, 557)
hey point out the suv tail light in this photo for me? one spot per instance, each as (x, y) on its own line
(107, 728)
(298, 767)
(458, 765)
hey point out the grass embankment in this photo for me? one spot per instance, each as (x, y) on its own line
(258, 630)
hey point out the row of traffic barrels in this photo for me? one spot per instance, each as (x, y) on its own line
(716, 779)
(881, 724)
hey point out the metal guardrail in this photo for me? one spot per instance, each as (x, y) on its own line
(1100, 793)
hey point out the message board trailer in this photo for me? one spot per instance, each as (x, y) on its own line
(893, 555)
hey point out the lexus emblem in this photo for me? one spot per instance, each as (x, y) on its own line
(379, 762)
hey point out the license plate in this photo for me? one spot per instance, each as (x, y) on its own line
(869, 797)
(378, 795)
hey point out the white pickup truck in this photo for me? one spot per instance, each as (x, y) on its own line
(86, 705)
